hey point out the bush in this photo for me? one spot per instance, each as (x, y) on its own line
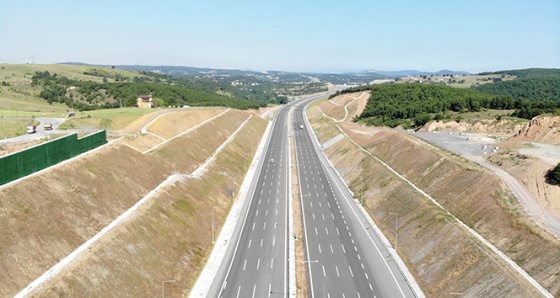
(553, 175)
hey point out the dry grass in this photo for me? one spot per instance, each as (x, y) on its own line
(45, 217)
(168, 239)
(441, 255)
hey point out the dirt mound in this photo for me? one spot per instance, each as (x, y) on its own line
(544, 129)
(502, 127)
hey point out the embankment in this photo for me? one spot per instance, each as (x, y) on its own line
(46, 217)
(443, 256)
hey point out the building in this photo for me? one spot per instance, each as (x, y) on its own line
(145, 101)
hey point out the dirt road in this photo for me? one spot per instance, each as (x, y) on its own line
(474, 148)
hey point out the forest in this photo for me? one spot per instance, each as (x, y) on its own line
(88, 95)
(414, 104)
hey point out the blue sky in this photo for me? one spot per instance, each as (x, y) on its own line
(302, 35)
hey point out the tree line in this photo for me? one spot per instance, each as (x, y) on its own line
(95, 95)
(414, 104)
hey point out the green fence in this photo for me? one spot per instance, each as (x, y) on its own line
(23, 163)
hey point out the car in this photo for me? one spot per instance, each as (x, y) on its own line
(272, 160)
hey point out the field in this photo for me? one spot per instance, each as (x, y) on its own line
(462, 81)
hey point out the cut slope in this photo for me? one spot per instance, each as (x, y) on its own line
(168, 238)
(441, 255)
(46, 217)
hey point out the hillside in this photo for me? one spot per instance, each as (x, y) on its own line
(443, 256)
(49, 215)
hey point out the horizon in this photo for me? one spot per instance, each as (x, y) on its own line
(309, 37)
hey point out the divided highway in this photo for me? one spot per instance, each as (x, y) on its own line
(342, 257)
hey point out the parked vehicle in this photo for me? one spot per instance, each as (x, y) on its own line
(31, 129)
(47, 126)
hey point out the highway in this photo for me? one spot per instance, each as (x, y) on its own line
(342, 258)
(258, 264)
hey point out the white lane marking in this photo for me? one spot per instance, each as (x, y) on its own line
(319, 202)
(337, 232)
(238, 291)
(332, 215)
(313, 215)
(257, 213)
(359, 258)
(351, 273)
(271, 263)
(337, 273)
(264, 226)
(269, 289)
(344, 250)
(332, 250)
(311, 204)
(324, 273)
(323, 215)
(258, 263)
(316, 232)
(254, 288)
(363, 267)
(273, 241)
(262, 241)
(253, 226)
(277, 211)
(259, 201)
(370, 287)
(327, 230)
(319, 248)
(266, 213)
(367, 277)
(244, 264)
(249, 246)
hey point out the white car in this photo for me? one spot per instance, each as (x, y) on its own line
(272, 160)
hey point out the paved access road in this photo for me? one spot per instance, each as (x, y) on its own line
(258, 266)
(342, 259)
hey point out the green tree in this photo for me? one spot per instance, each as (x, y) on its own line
(553, 175)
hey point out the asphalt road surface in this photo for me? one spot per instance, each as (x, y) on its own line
(258, 266)
(342, 259)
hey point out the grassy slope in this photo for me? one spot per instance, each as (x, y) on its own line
(442, 257)
(47, 216)
(20, 100)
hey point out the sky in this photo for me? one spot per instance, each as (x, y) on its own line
(287, 35)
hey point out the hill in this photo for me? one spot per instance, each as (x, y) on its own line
(529, 72)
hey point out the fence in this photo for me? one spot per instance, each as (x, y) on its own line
(34, 159)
